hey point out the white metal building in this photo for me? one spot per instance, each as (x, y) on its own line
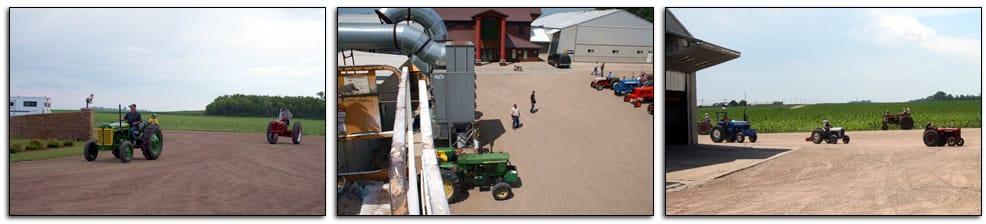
(684, 55)
(611, 35)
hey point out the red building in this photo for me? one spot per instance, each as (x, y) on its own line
(500, 34)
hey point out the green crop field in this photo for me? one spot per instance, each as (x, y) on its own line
(856, 116)
(198, 121)
(191, 121)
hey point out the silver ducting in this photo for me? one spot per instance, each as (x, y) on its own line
(427, 17)
(408, 39)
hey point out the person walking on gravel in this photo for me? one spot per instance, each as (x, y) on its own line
(533, 108)
(595, 69)
(515, 114)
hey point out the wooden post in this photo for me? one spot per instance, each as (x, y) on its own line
(398, 165)
(436, 203)
(413, 204)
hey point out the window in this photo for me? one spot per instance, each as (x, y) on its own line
(640, 52)
(31, 103)
(616, 51)
(590, 51)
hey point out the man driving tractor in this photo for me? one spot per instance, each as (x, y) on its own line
(133, 118)
(285, 116)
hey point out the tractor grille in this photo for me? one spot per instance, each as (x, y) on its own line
(105, 137)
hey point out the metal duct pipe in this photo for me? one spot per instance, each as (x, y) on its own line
(408, 39)
(427, 17)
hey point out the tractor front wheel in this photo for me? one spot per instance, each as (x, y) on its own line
(951, 141)
(637, 104)
(296, 133)
(599, 87)
(961, 142)
(452, 186)
(884, 127)
(753, 138)
(845, 139)
(501, 191)
(126, 152)
(90, 151)
(930, 138)
(740, 138)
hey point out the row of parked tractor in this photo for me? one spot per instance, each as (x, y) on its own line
(728, 130)
(634, 91)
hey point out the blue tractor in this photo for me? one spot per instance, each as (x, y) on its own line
(622, 87)
(732, 130)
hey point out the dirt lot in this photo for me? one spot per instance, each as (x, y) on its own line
(584, 152)
(199, 173)
(879, 172)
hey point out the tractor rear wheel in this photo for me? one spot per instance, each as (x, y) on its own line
(271, 137)
(951, 141)
(740, 137)
(961, 142)
(884, 127)
(296, 133)
(930, 138)
(816, 136)
(153, 141)
(845, 139)
(501, 191)
(906, 123)
(90, 151)
(716, 134)
(452, 186)
(126, 152)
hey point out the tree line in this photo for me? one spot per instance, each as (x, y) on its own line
(942, 96)
(267, 106)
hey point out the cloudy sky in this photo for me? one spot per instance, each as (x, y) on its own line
(838, 55)
(165, 59)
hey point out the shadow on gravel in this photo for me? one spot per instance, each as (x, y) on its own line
(692, 156)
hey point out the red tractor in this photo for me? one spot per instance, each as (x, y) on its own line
(903, 119)
(640, 95)
(940, 136)
(280, 128)
(600, 83)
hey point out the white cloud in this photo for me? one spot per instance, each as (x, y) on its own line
(894, 28)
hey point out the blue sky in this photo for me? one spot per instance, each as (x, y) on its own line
(544, 11)
(165, 59)
(838, 55)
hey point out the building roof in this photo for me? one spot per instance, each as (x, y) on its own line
(466, 14)
(566, 19)
(541, 35)
(673, 26)
(464, 35)
(517, 42)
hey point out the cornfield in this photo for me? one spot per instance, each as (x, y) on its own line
(854, 116)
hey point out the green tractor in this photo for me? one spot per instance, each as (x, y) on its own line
(115, 137)
(462, 171)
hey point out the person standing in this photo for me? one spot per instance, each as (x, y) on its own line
(602, 69)
(533, 102)
(595, 69)
(515, 114)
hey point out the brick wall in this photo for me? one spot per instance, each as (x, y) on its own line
(76, 126)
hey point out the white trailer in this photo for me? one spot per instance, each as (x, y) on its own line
(25, 105)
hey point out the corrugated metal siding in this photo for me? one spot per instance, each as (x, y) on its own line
(620, 19)
(675, 80)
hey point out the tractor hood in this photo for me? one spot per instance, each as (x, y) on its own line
(740, 123)
(113, 125)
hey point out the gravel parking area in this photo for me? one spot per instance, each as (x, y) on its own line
(878, 173)
(584, 152)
